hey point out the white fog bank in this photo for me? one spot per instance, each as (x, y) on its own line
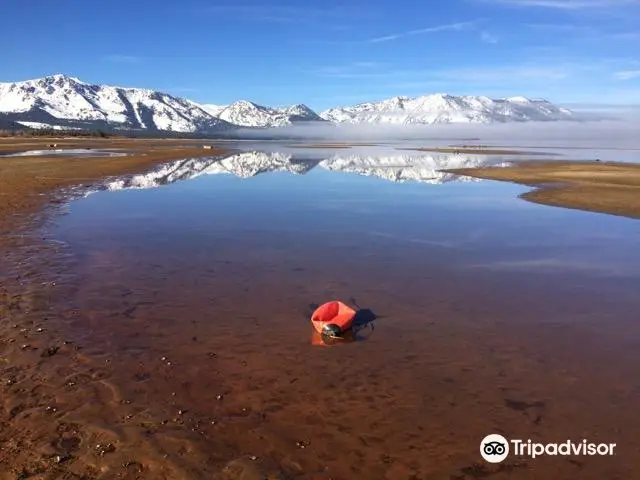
(602, 134)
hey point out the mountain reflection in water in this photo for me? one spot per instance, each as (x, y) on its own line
(393, 167)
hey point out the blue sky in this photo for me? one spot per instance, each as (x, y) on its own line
(330, 52)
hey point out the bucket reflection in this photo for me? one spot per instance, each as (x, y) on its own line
(355, 334)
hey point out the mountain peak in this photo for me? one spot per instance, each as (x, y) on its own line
(299, 106)
(299, 109)
(62, 100)
(249, 114)
(519, 99)
(60, 78)
(244, 104)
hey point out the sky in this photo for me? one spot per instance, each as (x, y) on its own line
(324, 53)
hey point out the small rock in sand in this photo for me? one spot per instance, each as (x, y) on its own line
(62, 458)
(302, 444)
(105, 448)
(50, 352)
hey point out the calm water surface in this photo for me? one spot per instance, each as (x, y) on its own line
(495, 315)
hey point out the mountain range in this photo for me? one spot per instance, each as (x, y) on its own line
(442, 108)
(60, 101)
(248, 114)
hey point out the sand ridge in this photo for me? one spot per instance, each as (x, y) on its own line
(603, 187)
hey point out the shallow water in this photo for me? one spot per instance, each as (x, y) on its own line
(73, 152)
(495, 315)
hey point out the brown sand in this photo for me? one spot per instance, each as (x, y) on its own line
(603, 187)
(124, 372)
(26, 181)
(570, 147)
(39, 438)
(180, 359)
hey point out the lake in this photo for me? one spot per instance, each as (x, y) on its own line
(196, 281)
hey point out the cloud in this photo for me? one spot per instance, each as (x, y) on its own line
(366, 64)
(358, 69)
(262, 11)
(561, 264)
(588, 134)
(625, 36)
(486, 37)
(616, 110)
(505, 74)
(459, 26)
(563, 27)
(556, 79)
(493, 76)
(455, 27)
(627, 74)
(567, 4)
(283, 14)
(118, 58)
(584, 31)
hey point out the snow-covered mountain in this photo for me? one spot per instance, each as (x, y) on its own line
(249, 114)
(63, 100)
(441, 108)
(424, 168)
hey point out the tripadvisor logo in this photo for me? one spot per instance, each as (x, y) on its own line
(495, 448)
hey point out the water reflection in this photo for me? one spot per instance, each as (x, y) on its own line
(320, 340)
(402, 168)
(358, 333)
(224, 265)
(394, 167)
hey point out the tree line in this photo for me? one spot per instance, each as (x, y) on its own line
(46, 132)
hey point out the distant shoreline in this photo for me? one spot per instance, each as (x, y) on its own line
(477, 150)
(601, 187)
(28, 181)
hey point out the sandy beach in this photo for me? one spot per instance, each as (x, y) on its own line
(184, 188)
(40, 368)
(603, 187)
(125, 366)
(27, 180)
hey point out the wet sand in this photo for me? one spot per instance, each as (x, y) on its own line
(603, 187)
(120, 363)
(190, 363)
(39, 368)
(27, 181)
